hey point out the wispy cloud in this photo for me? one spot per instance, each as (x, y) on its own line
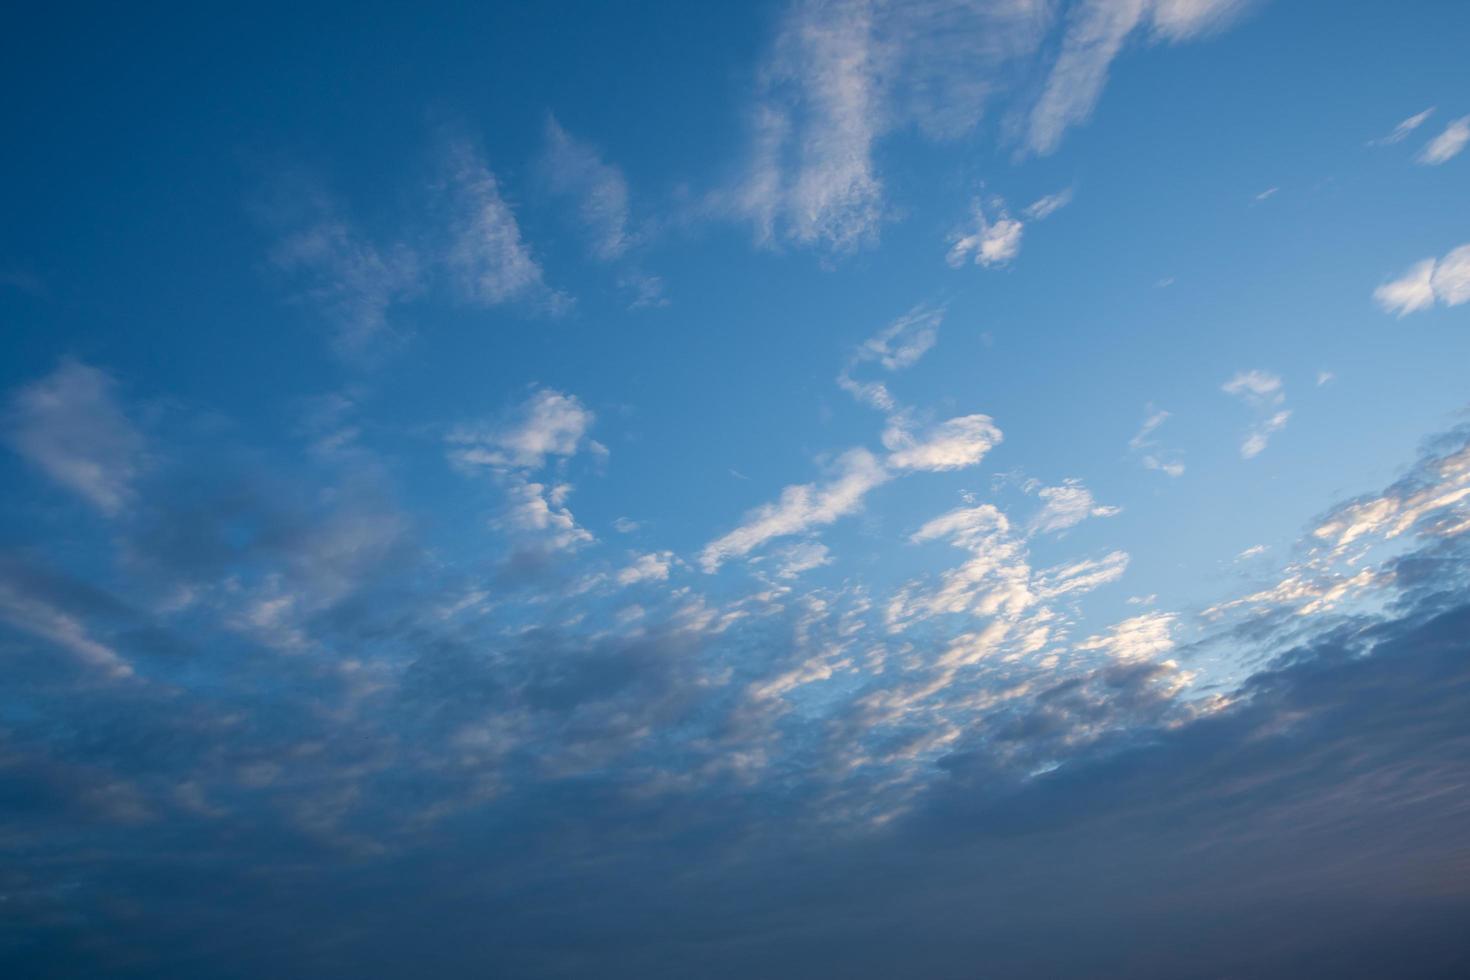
(489, 261)
(352, 281)
(549, 426)
(1067, 505)
(1095, 33)
(1147, 448)
(996, 240)
(1444, 280)
(801, 507)
(1264, 392)
(71, 426)
(1402, 130)
(1448, 144)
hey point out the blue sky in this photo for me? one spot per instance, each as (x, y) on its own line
(597, 491)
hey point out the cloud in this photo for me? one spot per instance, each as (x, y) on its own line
(1066, 506)
(898, 346)
(1448, 144)
(996, 242)
(843, 75)
(652, 567)
(1445, 280)
(574, 168)
(550, 423)
(1403, 129)
(800, 508)
(549, 426)
(353, 282)
(1147, 449)
(1264, 392)
(991, 243)
(70, 426)
(1094, 36)
(950, 445)
(489, 261)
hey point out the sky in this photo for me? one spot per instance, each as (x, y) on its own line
(944, 489)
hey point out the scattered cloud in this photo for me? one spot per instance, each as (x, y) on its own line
(574, 168)
(1403, 129)
(995, 242)
(1066, 506)
(352, 281)
(801, 507)
(1264, 392)
(550, 423)
(1448, 144)
(1445, 280)
(71, 427)
(652, 567)
(1093, 37)
(487, 257)
(1148, 449)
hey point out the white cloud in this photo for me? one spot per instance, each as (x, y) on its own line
(652, 567)
(988, 243)
(844, 74)
(802, 558)
(1261, 434)
(1146, 447)
(34, 615)
(1066, 506)
(896, 347)
(550, 423)
(1264, 392)
(1325, 377)
(352, 281)
(70, 426)
(1082, 576)
(1049, 205)
(1445, 280)
(905, 340)
(625, 526)
(950, 445)
(1267, 194)
(997, 242)
(539, 510)
(575, 168)
(1095, 33)
(1403, 129)
(1256, 387)
(1447, 144)
(1140, 638)
(800, 508)
(490, 262)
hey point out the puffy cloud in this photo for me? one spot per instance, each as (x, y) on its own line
(70, 426)
(1448, 144)
(950, 445)
(1445, 280)
(550, 423)
(995, 242)
(652, 567)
